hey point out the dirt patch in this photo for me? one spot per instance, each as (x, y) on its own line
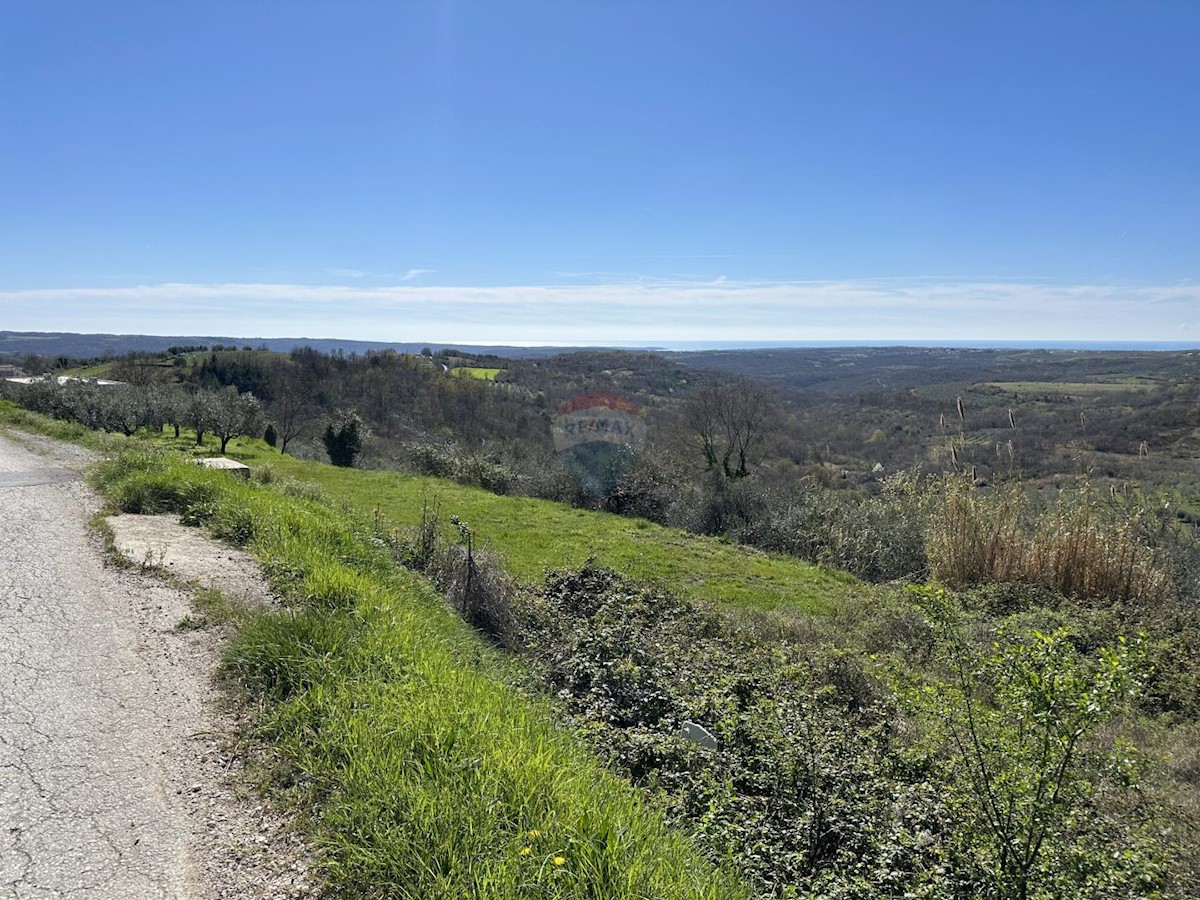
(191, 556)
(69, 456)
(246, 847)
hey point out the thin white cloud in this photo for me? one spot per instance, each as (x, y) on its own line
(621, 310)
(416, 273)
(347, 273)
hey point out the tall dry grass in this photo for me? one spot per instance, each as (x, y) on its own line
(976, 537)
(1078, 547)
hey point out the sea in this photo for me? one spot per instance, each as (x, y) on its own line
(685, 346)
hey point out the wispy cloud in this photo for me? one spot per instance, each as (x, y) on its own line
(622, 310)
(347, 273)
(416, 273)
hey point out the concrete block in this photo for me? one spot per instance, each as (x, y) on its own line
(241, 470)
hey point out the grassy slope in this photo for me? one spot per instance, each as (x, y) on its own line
(426, 775)
(420, 770)
(532, 536)
(100, 370)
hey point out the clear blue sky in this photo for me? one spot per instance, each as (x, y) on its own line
(514, 171)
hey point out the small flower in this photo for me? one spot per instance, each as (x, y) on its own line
(535, 833)
(559, 860)
(525, 851)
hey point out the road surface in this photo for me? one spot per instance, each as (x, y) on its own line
(112, 783)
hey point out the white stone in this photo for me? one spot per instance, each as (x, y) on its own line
(241, 470)
(698, 734)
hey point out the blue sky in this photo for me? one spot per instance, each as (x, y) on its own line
(582, 172)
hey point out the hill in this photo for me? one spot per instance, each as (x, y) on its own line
(16, 344)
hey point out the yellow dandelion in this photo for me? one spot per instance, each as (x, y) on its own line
(559, 860)
(535, 833)
(525, 851)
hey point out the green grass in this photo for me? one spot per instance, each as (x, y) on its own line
(425, 773)
(100, 370)
(11, 414)
(481, 372)
(532, 536)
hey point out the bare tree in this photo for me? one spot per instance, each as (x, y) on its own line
(293, 408)
(702, 414)
(138, 370)
(729, 422)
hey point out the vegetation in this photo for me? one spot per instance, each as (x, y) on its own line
(1018, 723)
(484, 373)
(431, 777)
(532, 536)
(1023, 728)
(343, 439)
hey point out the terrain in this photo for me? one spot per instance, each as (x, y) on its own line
(850, 610)
(121, 780)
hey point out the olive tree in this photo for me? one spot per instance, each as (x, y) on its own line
(200, 413)
(234, 414)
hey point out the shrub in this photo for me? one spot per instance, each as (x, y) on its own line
(801, 794)
(343, 439)
(1013, 725)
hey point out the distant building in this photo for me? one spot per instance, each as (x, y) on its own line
(7, 371)
(61, 379)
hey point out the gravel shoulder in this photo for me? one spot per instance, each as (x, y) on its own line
(120, 771)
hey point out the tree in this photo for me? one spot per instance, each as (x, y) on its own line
(165, 405)
(728, 422)
(234, 414)
(137, 370)
(200, 413)
(122, 407)
(292, 410)
(343, 439)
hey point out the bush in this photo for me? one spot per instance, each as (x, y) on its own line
(1013, 726)
(343, 439)
(801, 793)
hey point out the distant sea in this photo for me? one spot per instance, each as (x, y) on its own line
(682, 346)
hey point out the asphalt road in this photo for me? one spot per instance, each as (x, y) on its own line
(90, 718)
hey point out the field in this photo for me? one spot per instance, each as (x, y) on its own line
(483, 373)
(1070, 389)
(100, 370)
(532, 536)
(431, 768)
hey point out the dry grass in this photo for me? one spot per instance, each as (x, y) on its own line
(1077, 547)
